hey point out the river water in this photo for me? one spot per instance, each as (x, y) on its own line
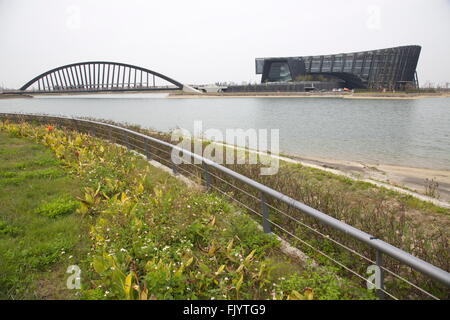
(413, 133)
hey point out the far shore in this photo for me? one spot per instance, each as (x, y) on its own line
(335, 95)
(184, 95)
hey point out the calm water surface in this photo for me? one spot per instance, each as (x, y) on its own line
(401, 132)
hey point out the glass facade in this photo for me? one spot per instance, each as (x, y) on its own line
(279, 71)
(390, 68)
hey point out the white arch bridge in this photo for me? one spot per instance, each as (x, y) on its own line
(101, 76)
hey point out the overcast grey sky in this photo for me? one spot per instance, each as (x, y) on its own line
(206, 41)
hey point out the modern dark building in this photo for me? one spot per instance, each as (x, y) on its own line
(391, 68)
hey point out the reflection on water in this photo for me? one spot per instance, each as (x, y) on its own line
(402, 132)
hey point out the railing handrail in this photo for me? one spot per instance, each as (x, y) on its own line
(384, 247)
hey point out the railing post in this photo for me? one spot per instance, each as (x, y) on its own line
(380, 287)
(206, 175)
(75, 125)
(265, 213)
(110, 134)
(147, 150)
(174, 165)
(127, 141)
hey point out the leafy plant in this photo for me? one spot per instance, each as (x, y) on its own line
(8, 230)
(432, 188)
(58, 207)
(153, 238)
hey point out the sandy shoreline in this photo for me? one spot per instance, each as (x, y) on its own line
(407, 180)
(388, 96)
(180, 95)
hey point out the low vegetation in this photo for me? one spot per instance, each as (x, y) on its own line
(34, 248)
(432, 188)
(135, 231)
(416, 226)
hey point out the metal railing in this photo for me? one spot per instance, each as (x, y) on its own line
(216, 177)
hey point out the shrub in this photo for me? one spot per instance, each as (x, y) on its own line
(326, 285)
(6, 229)
(58, 207)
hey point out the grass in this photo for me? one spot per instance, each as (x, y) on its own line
(34, 248)
(149, 235)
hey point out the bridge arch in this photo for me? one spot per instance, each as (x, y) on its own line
(96, 76)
